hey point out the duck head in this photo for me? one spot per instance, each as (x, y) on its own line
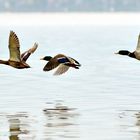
(47, 58)
(123, 52)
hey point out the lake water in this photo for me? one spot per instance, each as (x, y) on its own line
(102, 96)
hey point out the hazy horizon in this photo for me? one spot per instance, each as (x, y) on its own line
(70, 6)
(39, 19)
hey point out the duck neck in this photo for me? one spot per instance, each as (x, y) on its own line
(4, 62)
(132, 55)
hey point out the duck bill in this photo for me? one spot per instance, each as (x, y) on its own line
(116, 53)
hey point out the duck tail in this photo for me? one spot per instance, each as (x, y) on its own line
(73, 65)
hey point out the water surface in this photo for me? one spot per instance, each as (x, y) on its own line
(102, 97)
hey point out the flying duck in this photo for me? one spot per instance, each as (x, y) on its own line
(62, 62)
(135, 54)
(16, 59)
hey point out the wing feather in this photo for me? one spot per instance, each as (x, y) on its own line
(61, 69)
(138, 44)
(72, 60)
(24, 56)
(14, 47)
(63, 60)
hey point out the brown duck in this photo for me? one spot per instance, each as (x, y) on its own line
(64, 63)
(16, 59)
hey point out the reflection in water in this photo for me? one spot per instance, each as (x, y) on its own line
(138, 123)
(17, 125)
(131, 122)
(61, 122)
(58, 122)
(138, 119)
(14, 129)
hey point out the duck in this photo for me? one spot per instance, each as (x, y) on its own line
(16, 59)
(135, 54)
(61, 61)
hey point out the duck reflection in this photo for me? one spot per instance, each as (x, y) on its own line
(17, 126)
(137, 123)
(14, 129)
(61, 121)
(130, 122)
(138, 119)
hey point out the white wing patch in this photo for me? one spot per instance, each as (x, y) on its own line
(61, 69)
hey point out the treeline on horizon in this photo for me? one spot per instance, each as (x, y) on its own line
(69, 5)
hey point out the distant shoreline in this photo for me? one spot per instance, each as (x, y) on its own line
(89, 18)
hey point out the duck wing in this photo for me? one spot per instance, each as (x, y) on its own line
(69, 61)
(53, 63)
(26, 54)
(61, 69)
(138, 44)
(33, 49)
(14, 47)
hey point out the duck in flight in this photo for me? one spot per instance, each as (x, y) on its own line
(16, 59)
(135, 54)
(62, 62)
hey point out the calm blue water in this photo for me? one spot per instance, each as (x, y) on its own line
(103, 94)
